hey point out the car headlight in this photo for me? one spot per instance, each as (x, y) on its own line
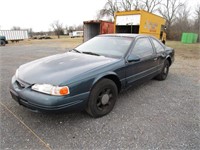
(50, 89)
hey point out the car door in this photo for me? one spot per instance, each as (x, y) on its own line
(145, 66)
(160, 53)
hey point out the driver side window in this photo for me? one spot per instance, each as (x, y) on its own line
(142, 48)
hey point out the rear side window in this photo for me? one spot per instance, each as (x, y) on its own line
(143, 48)
(158, 46)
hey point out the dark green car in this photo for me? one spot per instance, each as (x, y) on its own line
(91, 76)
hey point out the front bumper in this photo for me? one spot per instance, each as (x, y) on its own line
(36, 101)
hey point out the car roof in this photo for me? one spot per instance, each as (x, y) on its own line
(125, 35)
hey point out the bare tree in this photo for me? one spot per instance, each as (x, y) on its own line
(197, 20)
(79, 27)
(112, 6)
(71, 29)
(109, 9)
(169, 11)
(182, 23)
(136, 5)
(127, 5)
(183, 18)
(150, 5)
(57, 27)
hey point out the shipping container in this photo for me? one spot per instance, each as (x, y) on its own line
(93, 28)
(140, 22)
(189, 38)
(14, 35)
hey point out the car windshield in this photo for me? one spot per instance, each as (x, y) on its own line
(109, 46)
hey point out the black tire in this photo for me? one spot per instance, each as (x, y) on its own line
(164, 72)
(102, 98)
(2, 43)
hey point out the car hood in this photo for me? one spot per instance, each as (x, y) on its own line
(61, 68)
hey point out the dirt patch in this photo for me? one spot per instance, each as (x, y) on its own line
(187, 59)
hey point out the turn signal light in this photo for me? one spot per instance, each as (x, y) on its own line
(64, 91)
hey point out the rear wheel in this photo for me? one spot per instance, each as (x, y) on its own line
(102, 98)
(164, 72)
(163, 41)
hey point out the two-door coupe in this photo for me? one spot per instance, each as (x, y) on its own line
(91, 75)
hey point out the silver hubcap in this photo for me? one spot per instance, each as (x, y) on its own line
(105, 99)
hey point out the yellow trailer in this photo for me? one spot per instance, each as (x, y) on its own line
(140, 22)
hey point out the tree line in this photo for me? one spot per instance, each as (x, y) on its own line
(57, 29)
(179, 17)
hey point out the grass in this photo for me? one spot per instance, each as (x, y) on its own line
(62, 42)
(185, 50)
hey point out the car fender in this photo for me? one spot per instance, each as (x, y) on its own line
(99, 77)
(169, 58)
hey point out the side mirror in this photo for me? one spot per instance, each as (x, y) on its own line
(132, 58)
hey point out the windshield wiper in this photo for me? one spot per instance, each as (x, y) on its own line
(76, 50)
(91, 53)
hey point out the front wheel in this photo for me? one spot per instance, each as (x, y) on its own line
(102, 98)
(164, 72)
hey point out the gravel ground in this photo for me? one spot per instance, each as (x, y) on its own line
(155, 115)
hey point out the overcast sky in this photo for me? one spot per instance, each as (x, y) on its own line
(39, 14)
